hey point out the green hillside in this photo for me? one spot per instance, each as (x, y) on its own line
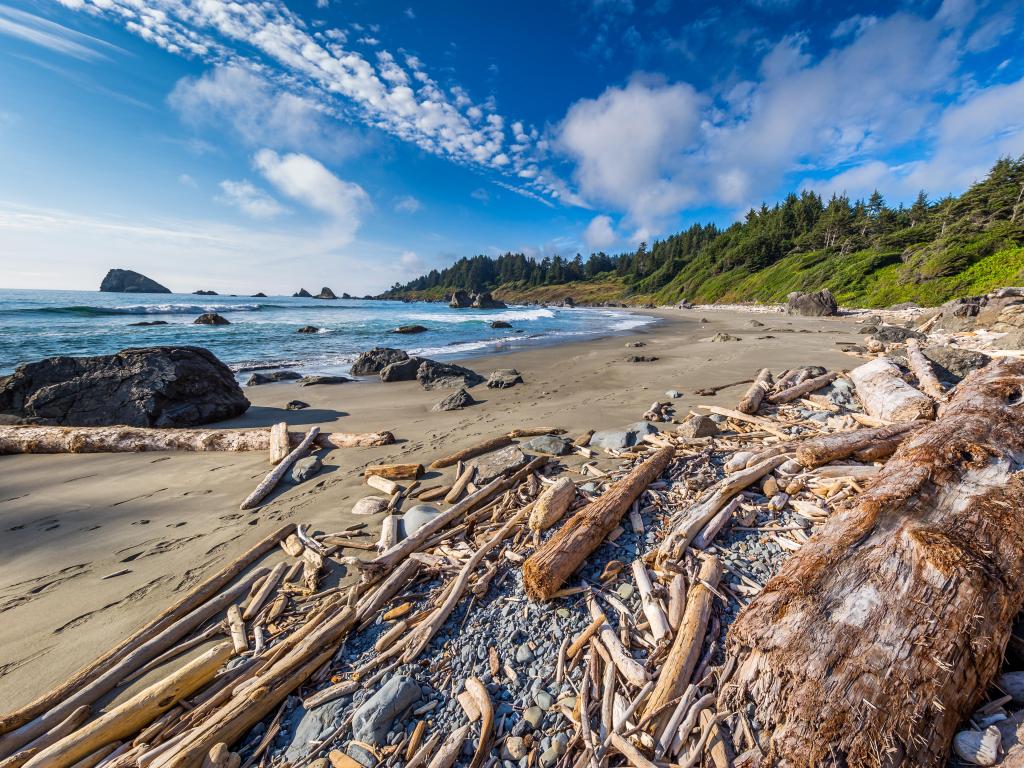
(866, 252)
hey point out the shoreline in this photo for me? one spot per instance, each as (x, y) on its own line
(170, 519)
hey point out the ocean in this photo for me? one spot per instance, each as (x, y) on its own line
(262, 333)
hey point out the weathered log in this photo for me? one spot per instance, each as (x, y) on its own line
(40, 439)
(840, 445)
(127, 718)
(482, 698)
(465, 478)
(552, 504)
(921, 367)
(554, 561)
(474, 450)
(394, 471)
(885, 395)
(274, 476)
(752, 398)
(652, 609)
(801, 389)
(280, 445)
(686, 647)
(882, 633)
(58, 732)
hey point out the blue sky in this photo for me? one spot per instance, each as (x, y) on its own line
(270, 145)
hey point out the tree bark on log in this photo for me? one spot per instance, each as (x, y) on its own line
(840, 445)
(885, 395)
(921, 367)
(552, 563)
(882, 633)
(755, 394)
(37, 439)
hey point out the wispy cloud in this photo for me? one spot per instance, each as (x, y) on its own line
(51, 35)
(249, 199)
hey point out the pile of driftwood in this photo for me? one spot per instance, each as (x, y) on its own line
(874, 644)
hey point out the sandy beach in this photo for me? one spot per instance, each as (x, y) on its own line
(164, 521)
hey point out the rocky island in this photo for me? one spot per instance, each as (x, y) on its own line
(127, 281)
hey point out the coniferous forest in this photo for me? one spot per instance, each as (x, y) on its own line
(866, 252)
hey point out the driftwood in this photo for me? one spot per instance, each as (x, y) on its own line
(59, 731)
(840, 445)
(921, 367)
(39, 439)
(394, 471)
(880, 635)
(482, 699)
(280, 445)
(885, 395)
(459, 486)
(552, 504)
(553, 562)
(755, 394)
(473, 451)
(682, 657)
(274, 476)
(801, 389)
(127, 718)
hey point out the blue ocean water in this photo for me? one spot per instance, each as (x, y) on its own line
(38, 324)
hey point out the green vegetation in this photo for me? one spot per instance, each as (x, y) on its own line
(865, 252)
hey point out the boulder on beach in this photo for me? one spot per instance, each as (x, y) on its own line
(721, 336)
(434, 375)
(308, 329)
(698, 426)
(376, 360)
(302, 293)
(211, 318)
(401, 370)
(325, 293)
(314, 379)
(302, 470)
(372, 721)
(819, 304)
(460, 300)
(895, 334)
(617, 439)
(274, 376)
(456, 401)
(553, 445)
(503, 378)
(296, 405)
(484, 300)
(641, 359)
(495, 463)
(370, 505)
(127, 281)
(410, 329)
(145, 387)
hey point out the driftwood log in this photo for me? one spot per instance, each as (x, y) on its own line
(755, 394)
(552, 563)
(474, 450)
(885, 395)
(801, 389)
(921, 367)
(840, 445)
(274, 476)
(36, 439)
(881, 634)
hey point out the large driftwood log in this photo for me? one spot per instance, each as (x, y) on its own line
(821, 450)
(474, 450)
(921, 367)
(801, 389)
(274, 476)
(885, 395)
(559, 556)
(755, 394)
(36, 439)
(881, 634)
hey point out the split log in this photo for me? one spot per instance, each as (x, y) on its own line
(882, 633)
(685, 652)
(128, 718)
(553, 562)
(473, 451)
(103, 675)
(921, 367)
(630, 669)
(840, 445)
(799, 390)
(465, 478)
(274, 476)
(483, 702)
(394, 471)
(280, 446)
(39, 439)
(652, 609)
(552, 504)
(885, 395)
(752, 397)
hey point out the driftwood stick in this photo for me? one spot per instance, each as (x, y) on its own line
(274, 476)
(922, 368)
(788, 395)
(822, 450)
(465, 478)
(630, 669)
(269, 585)
(59, 731)
(752, 398)
(765, 424)
(652, 610)
(394, 471)
(554, 561)
(450, 749)
(483, 702)
(895, 615)
(632, 754)
(474, 450)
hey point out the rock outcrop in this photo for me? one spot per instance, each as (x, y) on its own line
(325, 293)
(820, 304)
(302, 293)
(127, 281)
(410, 329)
(376, 360)
(460, 300)
(211, 318)
(434, 375)
(146, 387)
(401, 370)
(204, 293)
(486, 301)
(456, 401)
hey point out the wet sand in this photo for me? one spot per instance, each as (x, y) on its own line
(171, 519)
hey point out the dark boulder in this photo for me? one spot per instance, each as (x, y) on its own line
(503, 378)
(309, 381)
(434, 375)
(819, 304)
(269, 378)
(260, 295)
(302, 293)
(325, 293)
(147, 387)
(410, 329)
(127, 281)
(401, 370)
(308, 329)
(460, 300)
(211, 318)
(376, 360)
(894, 334)
(500, 324)
(486, 301)
(568, 302)
(147, 323)
(204, 293)
(296, 405)
(456, 401)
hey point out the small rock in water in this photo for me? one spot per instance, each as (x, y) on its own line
(409, 329)
(211, 318)
(308, 329)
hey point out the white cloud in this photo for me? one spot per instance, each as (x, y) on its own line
(50, 35)
(854, 25)
(481, 195)
(408, 204)
(249, 199)
(306, 180)
(599, 234)
(187, 181)
(411, 262)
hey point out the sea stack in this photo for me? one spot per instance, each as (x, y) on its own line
(325, 293)
(127, 281)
